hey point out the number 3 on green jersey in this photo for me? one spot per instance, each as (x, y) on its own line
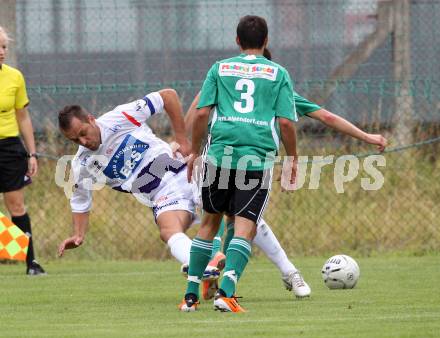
(247, 87)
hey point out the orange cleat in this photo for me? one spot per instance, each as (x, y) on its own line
(209, 288)
(210, 285)
(225, 304)
(188, 305)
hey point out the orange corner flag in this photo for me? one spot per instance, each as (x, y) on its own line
(13, 242)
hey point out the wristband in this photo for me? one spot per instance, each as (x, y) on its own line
(33, 155)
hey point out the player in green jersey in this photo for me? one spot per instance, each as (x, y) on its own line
(253, 106)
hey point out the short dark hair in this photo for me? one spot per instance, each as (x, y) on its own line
(267, 54)
(252, 31)
(66, 115)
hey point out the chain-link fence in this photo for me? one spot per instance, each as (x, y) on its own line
(372, 62)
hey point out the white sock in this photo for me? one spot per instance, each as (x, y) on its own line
(265, 239)
(180, 246)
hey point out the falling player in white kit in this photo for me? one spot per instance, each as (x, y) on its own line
(119, 149)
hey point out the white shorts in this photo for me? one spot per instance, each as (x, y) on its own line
(176, 194)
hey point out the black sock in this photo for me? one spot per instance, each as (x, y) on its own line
(221, 292)
(24, 223)
(192, 297)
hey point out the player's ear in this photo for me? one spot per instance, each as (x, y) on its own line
(91, 119)
(266, 41)
(237, 40)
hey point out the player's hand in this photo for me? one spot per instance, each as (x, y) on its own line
(183, 146)
(175, 149)
(70, 243)
(32, 166)
(288, 174)
(378, 140)
(190, 166)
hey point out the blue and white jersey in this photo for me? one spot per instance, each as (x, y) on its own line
(130, 158)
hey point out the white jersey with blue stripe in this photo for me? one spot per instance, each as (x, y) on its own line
(130, 158)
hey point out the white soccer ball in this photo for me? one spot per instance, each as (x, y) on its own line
(340, 272)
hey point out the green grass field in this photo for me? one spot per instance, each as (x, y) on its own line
(395, 297)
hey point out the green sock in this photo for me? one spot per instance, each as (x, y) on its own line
(198, 260)
(229, 235)
(237, 256)
(217, 243)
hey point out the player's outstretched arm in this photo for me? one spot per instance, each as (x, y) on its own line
(342, 125)
(80, 224)
(190, 114)
(173, 107)
(288, 137)
(199, 126)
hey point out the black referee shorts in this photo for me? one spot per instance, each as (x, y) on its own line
(13, 164)
(235, 192)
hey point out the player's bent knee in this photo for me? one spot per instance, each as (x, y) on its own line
(167, 232)
(16, 208)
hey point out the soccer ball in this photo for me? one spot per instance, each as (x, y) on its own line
(340, 272)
